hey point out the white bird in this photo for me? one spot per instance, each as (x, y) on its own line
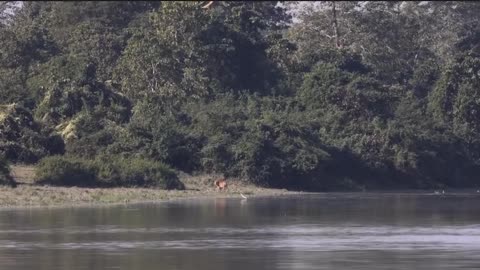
(243, 196)
(208, 5)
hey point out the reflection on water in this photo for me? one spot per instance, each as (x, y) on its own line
(321, 231)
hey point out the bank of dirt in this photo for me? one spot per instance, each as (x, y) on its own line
(199, 186)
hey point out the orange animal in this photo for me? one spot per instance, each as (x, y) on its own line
(221, 184)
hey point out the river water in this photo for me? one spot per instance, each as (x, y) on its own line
(312, 231)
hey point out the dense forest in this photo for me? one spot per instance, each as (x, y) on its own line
(304, 95)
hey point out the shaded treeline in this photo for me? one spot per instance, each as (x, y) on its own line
(346, 95)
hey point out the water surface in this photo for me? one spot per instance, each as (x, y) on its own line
(313, 231)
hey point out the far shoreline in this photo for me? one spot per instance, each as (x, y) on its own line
(140, 202)
(131, 197)
(27, 195)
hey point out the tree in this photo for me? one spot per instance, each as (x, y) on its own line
(454, 101)
(164, 59)
(185, 51)
(394, 38)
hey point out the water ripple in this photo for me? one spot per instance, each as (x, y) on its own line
(299, 237)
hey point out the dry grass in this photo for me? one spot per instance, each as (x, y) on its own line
(27, 194)
(5, 110)
(23, 174)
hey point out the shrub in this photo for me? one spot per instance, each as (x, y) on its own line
(136, 172)
(22, 139)
(62, 171)
(5, 178)
(268, 141)
(159, 133)
(106, 171)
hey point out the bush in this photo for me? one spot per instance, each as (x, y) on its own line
(106, 171)
(268, 141)
(5, 178)
(22, 139)
(62, 171)
(159, 133)
(135, 172)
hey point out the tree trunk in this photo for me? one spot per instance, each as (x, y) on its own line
(335, 26)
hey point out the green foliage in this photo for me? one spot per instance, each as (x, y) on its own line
(160, 132)
(268, 141)
(24, 47)
(136, 172)
(424, 77)
(329, 87)
(22, 139)
(164, 56)
(241, 41)
(5, 178)
(67, 98)
(183, 52)
(454, 101)
(60, 171)
(106, 171)
(350, 95)
(84, 113)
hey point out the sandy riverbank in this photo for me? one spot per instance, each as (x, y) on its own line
(29, 195)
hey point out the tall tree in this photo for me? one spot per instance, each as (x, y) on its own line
(186, 51)
(392, 37)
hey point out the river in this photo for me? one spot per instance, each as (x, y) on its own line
(311, 231)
